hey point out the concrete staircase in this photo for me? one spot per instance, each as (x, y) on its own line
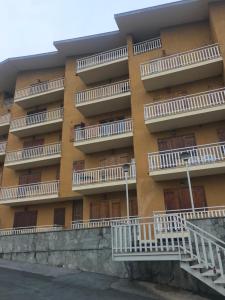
(200, 254)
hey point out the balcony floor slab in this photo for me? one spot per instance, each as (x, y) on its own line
(30, 200)
(106, 143)
(183, 75)
(186, 119)
(104, 187)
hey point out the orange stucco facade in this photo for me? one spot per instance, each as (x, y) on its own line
(148, 193)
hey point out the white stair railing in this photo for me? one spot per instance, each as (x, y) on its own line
(39, 88)
(37, 118)
(29, 229)
(206, 248)
(101, 58)
(180, 60)
(4, 119)
(33, 152)
(3, 147)
(101, 92)
(199, 155)
(103, 130)
(32, 190)
(102, 175)
(185, 104)
(147, 45)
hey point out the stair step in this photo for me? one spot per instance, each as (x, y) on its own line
(198, 266)
(210, 273)
(220, 280)
(188, 259)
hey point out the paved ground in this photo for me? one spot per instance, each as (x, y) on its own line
(22, 281)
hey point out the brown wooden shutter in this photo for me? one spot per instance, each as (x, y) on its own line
(171, 199)
(78, 210)
(133, 207)
(116, 209)
(78, 165)
(199, 196)
(59, 216)
(221, 134)
(25, 219)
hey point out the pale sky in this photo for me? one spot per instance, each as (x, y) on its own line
(31, 26)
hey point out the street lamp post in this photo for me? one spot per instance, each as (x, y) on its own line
(126, 168)
(185, 157)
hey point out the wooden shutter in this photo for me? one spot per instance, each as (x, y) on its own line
(78, 210)
(99, 209)
(116, 209)
(30, 178)
(25, 218)
(171, 199)
(133, 207)
(59, 216)
(184, 198)
(78, 165)
(33, 143)
(199, 196)
(221, 134)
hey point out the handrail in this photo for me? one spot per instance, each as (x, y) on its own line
(180, 60)
(101, 58)
(186, 103)
(199, 155)
(37, 118)
(3, 147)
(103, 91)
(33, 152)
(147, 45)
(103, 130)
(103, 174)
(29, 190)
(38, 88)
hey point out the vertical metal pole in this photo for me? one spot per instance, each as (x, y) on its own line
(189, 187)
(127, 196)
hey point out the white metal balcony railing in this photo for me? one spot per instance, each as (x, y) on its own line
(102, 58)
(199, 155)
(189, 214)
(102, 175)
(39, 88)
(33, 152)
(184, 104)
(147, 45)
(180, 60)
(32, 229)
(38, 118)
(98, 223)
(3, 147)
(4, 119)
(103, 130)
(104, 91)
(33, 190)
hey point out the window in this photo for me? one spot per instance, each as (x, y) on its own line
(59, 216)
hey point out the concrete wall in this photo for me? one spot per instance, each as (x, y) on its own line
(90, 250)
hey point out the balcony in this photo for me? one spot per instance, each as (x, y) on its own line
(4, 123)
(204, 160)
(38, 123)
(103, 66)
(2, 150)
(181, 68)
(102, 180)
(34, 193)
(105, 136)
(186, 111)
(40, 93)
(103, 99)
(39, 156)
(147, 46)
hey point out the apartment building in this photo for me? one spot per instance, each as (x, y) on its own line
(141, 96)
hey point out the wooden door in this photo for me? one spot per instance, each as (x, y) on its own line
(33, 142)
(221, 134)
(133, 207)
(99, 209)
(199, 196)
(25, 219)
(29, 178)
(59, 216)
(176, 142)
(116, 209)
(78, 210)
